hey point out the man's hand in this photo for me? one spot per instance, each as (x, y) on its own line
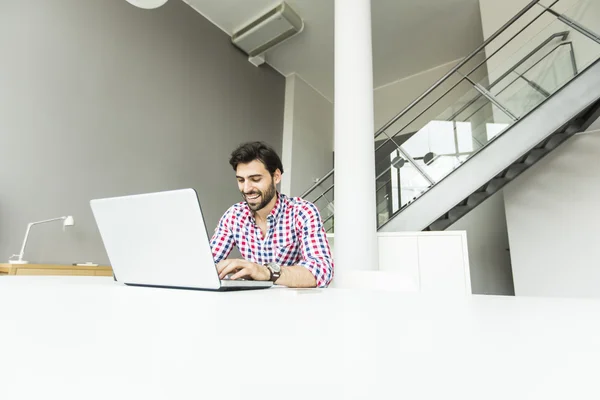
(243, 269)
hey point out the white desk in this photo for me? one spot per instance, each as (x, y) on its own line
(88, 338)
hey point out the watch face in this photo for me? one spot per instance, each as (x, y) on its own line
(275, 267)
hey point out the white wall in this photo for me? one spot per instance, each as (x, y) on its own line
(553, 222)
(307, 136)
(487, 233)
(550, 208)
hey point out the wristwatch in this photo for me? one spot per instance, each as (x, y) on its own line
(274, 270)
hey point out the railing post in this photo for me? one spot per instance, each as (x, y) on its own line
(491, 98)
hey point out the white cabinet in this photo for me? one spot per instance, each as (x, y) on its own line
(444, 264)
(428, 262)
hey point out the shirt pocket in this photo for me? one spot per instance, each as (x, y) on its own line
(286, 247)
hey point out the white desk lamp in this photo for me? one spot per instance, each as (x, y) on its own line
(147, 4)
(67, 221)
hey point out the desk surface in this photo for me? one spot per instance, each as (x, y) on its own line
(82, 337)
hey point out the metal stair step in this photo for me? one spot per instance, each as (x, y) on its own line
(457, 212)
(534, 156)
(574, 127)
(440, 224)
(556, 140)
(495, 184)
(514, 170)
(476, 198)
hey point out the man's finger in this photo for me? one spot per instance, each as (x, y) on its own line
(225, 263)
(233, 266)
(241, 273)
(222, 264)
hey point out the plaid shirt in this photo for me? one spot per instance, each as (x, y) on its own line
(295, 236)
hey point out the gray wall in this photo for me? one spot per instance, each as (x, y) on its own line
(553, 220)
(487, 238)
(99, 98)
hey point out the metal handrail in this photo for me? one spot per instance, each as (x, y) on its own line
(458, 66)
(532, 84)
(563, 35)
(469, 73)
(573, 24)
(517, 65)
(473, 101)
(317, 184)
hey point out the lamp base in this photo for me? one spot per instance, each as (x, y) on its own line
(18, 262)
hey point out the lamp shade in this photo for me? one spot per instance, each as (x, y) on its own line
(69, 221)
(147, 4)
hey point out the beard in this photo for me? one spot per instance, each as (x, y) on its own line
(263, 199)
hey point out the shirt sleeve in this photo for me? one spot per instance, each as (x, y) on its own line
(221, 242)
(316, 253)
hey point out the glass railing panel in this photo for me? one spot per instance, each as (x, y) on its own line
(516, 44)
(319, 188)
(325, 204)
(428, 111)
(456, 133)
(389, 108)
(553, 64)
(384, 195)
(322, 196)
(397, 186)
(553, 71)
(584, 12)
(517, 96)
(328, 224)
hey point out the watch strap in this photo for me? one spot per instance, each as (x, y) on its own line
(273, 276)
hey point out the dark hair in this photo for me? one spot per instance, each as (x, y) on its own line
(260, 151)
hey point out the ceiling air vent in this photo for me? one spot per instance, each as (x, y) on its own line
(267, 31)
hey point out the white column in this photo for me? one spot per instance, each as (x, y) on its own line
(355, 242)
(288, 136)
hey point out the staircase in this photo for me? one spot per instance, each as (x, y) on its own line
(433, 168)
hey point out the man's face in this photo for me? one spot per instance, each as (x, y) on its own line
(256, 184)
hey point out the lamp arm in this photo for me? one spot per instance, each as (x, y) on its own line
(24, 241)
(29, 228)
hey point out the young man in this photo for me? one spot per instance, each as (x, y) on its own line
(282, 239)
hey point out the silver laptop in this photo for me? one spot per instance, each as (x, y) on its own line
(160, 240)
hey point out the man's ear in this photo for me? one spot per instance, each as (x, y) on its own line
(277, 176)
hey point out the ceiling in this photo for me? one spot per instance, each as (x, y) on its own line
(409, 36)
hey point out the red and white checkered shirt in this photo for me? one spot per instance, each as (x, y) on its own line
(295, 236)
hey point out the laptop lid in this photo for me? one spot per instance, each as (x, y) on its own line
(157, 239)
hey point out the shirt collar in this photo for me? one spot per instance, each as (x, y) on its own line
(278, 208)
